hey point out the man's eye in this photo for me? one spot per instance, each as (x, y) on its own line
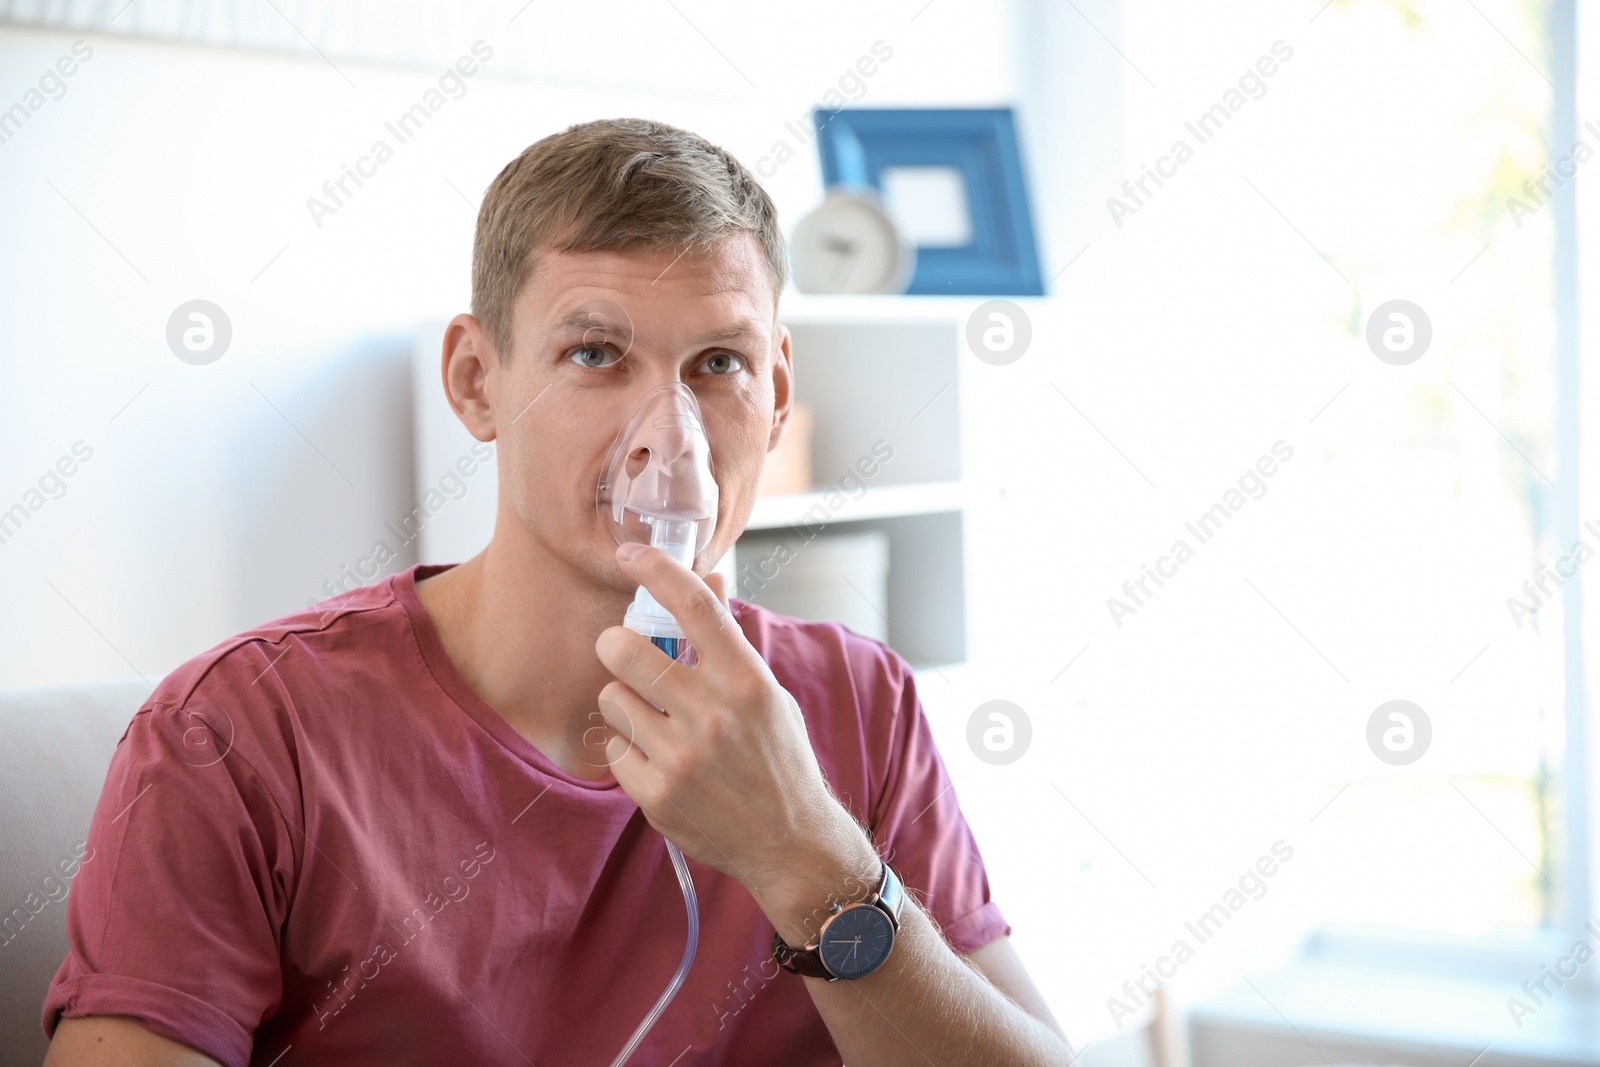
(724, 360)
(584, 355)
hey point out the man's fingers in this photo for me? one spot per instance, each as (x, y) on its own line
(630, 718)
(628, 765)
(719, 586)
(646, 670)
(703, 614)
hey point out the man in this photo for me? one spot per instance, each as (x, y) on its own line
(423, 821)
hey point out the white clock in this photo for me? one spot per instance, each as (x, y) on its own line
(848, 245)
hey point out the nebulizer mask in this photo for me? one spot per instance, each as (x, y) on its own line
(656, 488)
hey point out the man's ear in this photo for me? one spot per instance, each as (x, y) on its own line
(782, 386)
(467, 368)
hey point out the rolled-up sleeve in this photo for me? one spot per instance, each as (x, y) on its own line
(175, 913)
(916, 819)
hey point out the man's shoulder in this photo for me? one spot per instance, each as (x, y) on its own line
(811, 653)
(247, 669)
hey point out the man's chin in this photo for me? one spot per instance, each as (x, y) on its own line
(610, 577)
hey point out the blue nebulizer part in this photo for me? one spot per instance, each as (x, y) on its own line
(656, 488)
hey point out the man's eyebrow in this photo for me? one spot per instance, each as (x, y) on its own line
(580, 319)
(743, 328)
(584, 319)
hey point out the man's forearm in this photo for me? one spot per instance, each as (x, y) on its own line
(924, 1005)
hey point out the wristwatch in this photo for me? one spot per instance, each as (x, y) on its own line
(854, 940)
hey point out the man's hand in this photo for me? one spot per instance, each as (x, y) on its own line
(724, 769)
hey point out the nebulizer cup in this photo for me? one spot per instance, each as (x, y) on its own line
(656, 488)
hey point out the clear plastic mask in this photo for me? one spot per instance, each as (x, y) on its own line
(655, 485)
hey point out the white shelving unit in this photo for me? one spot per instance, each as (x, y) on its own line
(882, 371)
(877, 502)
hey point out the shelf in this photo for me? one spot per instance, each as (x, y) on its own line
(924, 602)
(882, 376)
(885, 389)
(878, 502)
(814, 307)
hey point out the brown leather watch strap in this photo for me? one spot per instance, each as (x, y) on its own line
(799, 960)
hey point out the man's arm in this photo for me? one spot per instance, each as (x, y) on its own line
(924, 1004)
(116, 1041)
(998, 961)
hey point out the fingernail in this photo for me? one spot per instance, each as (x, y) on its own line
(629, 550)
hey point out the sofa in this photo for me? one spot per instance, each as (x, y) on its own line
(55, 745)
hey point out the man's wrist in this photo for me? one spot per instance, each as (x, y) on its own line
(837, 867)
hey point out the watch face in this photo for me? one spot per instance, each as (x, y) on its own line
(856, 941)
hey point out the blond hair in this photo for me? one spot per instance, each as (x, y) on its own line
(611, 184)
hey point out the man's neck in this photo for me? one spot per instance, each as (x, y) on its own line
(520, 629)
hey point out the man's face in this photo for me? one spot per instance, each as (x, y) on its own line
(593, 332)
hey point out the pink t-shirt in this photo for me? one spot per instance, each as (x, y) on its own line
(316, 839)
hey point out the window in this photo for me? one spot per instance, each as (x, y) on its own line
(1376, 152)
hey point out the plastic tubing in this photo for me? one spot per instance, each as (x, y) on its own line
(692, 907)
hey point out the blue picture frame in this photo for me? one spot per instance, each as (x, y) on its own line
(858, 144)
